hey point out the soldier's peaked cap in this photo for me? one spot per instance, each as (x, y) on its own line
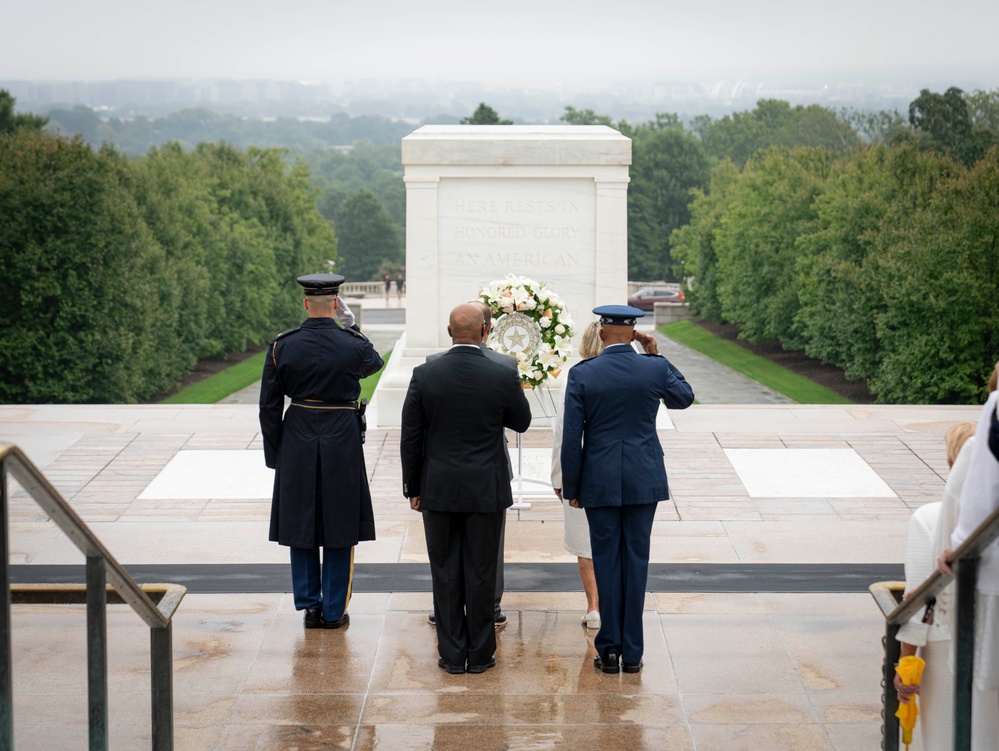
(618, 315)
(321, 284)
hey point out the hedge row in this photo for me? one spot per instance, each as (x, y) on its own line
(117, 275)
(884, 263)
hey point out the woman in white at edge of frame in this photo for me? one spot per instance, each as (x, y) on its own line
(576, 538)
(929, 534)
(979, 498)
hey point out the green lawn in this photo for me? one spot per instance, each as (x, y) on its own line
(795, 387)
(222, 384)
(217, 387)
(368, 384)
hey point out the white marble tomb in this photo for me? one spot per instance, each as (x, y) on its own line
(546, 202)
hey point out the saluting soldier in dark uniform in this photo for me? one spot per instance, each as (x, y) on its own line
(612, 466)
(321, 497)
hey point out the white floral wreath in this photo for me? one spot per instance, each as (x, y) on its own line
(531, 323)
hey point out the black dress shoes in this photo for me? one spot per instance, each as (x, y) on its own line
(609, 663)
(432, 618)
(452, 669)
(313, 617)
(483, 668)
(632, 667)
(343, 620)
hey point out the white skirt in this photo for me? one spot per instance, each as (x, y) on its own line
(577, 532)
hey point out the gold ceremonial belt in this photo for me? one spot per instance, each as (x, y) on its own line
(316, 404)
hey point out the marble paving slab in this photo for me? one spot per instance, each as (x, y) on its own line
(212, 474)
(806, 473)
(241, 475)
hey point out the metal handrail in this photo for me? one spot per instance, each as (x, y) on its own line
(964, 562)
(107, 581)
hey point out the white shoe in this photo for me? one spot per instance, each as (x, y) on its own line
(592, 619)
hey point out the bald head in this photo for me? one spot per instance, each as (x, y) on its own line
(466, 324)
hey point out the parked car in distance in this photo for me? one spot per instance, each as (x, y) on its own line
(647, 297)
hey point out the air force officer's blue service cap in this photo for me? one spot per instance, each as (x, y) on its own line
(618, 315)
(321, 284)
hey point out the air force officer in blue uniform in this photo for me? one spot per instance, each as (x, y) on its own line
(612, 466)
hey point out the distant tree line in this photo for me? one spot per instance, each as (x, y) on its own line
(119, 274)
(189, 127)
(798, 223)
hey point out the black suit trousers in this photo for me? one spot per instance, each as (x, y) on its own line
(462, 548)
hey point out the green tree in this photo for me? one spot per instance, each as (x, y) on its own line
(79, 292)
(902, 273)
(943, 122)
(171, 189)
(883, 126)
(667, 164)
(367, 237)
(940, 281)
(572, 116)
(758, 255)
(484, 115)
(81, 121)
(9, 122)
(693, 246)
(375, 168)
(774, 123)
(983, 107)
(839, 294)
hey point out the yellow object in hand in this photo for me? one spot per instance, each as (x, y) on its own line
(910, 670)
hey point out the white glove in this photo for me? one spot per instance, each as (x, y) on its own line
(344, 314)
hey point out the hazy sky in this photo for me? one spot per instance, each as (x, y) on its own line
(542, 41)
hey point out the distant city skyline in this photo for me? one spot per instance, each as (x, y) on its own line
(530, 42)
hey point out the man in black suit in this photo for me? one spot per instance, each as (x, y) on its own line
(499, 617)
(321, 497)
(455, 471)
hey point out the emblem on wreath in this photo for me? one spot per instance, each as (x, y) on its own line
(517, 333)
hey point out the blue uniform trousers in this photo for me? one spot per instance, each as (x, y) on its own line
(620, 539)
(327, 587)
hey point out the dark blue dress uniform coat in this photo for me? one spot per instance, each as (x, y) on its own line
(611, 455)
(321, 496)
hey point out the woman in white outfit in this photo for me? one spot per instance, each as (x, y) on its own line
(577, 531)
(979, 498)
(929, 534)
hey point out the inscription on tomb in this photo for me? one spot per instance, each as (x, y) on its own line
(517, 225)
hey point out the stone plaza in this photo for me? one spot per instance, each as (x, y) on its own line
(739, 661)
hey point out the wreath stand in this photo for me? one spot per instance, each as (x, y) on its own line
(518, 495)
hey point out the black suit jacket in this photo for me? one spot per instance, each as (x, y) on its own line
(509, 361)
(453, 419)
